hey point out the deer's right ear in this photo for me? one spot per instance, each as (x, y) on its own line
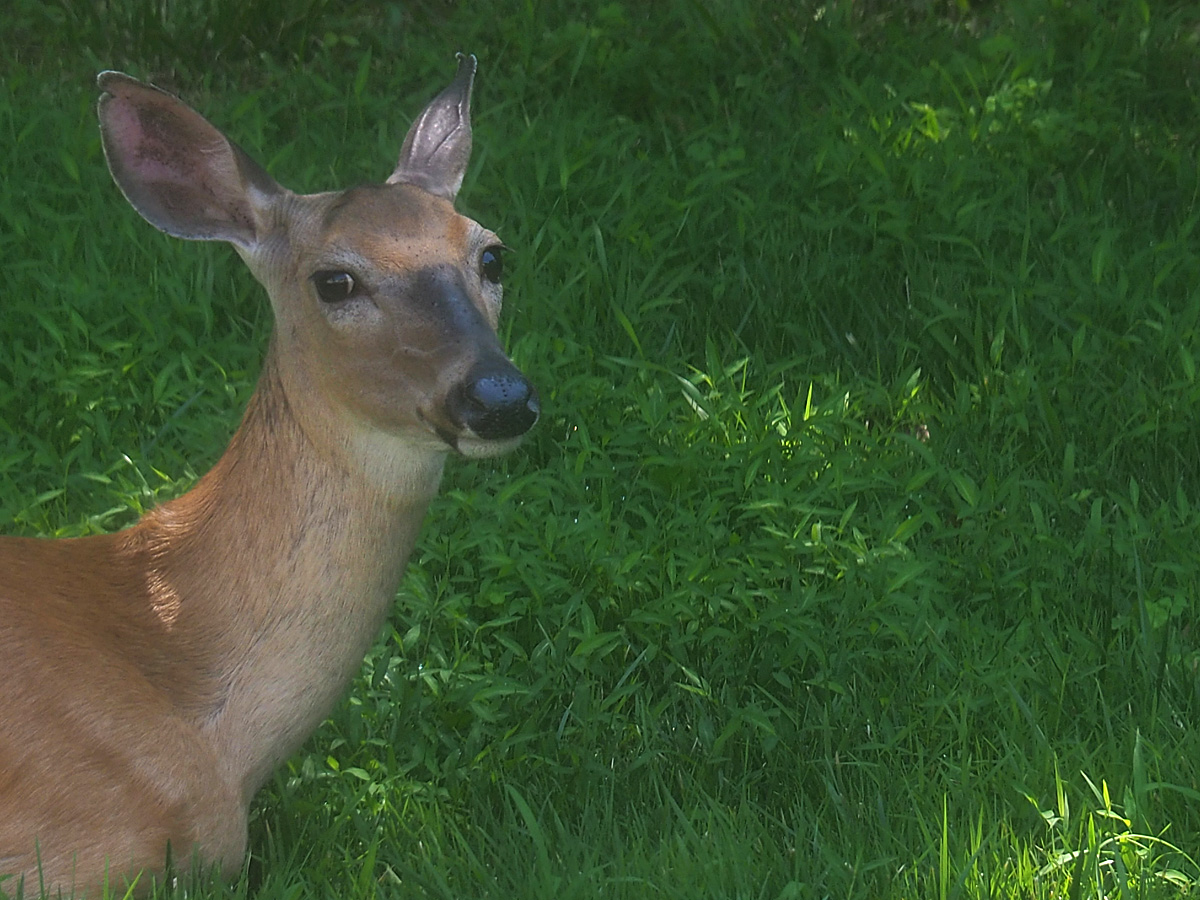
(177, 169)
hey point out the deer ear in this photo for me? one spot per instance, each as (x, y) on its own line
(177, 169)
(438, 145)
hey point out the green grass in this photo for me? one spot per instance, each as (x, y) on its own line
(857, 551)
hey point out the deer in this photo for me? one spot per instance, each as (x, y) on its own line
(151, 679)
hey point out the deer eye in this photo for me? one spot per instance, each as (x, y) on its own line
(333, 286)
(491, 264)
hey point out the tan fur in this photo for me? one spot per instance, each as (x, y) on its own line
(154, 677)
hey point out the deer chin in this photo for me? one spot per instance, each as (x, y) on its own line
(473, 447)
(470, 445)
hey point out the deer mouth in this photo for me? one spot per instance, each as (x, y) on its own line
(487, 415)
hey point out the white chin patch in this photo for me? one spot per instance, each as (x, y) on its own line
(477, 448)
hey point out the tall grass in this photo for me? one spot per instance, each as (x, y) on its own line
(856, 552)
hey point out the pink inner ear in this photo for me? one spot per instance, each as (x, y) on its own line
(177, 169)
(143, 134)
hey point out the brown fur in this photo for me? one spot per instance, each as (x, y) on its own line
(154, 677)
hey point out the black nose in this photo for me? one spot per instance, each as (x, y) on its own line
(496, 406)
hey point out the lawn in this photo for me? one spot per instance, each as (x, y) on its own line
(856, 553)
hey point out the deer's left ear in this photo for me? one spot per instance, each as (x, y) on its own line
(438, 145)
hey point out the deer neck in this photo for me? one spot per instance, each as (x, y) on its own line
(273, 576)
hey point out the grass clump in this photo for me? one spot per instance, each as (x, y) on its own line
(856, 552)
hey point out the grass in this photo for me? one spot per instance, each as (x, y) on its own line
(856, 553)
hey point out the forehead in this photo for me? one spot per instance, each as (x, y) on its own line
(386, 219)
